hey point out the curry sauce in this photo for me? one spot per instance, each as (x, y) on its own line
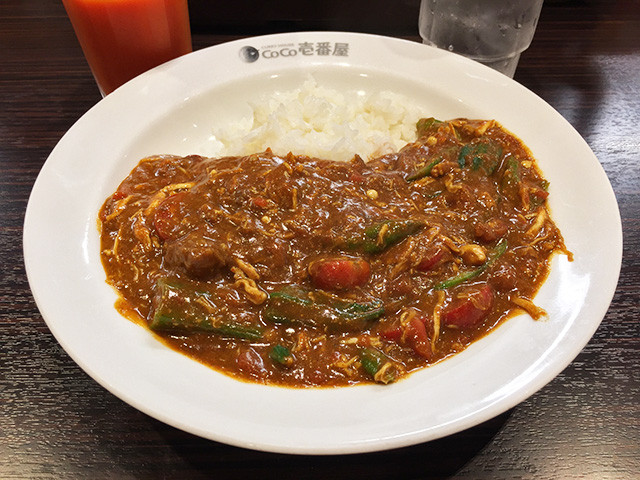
(300, 271)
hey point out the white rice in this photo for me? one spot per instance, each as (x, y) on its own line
(321, 122)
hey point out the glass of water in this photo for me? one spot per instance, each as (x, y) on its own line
(492, 32)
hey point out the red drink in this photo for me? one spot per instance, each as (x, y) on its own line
(123, 38)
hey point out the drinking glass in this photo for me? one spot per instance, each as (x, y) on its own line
(492, 32)
(123, 38)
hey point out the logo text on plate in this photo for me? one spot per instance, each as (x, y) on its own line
(337, 49)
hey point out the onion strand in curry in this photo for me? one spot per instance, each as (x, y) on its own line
(299, 271)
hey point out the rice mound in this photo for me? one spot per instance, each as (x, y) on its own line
(322, 122)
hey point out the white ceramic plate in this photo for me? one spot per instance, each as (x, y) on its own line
(171, 110)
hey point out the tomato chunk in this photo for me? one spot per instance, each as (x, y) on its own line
(167, 217)
(119, 195)
(394, 334)
(470, 310)
(417, 338)
(260, 202)
(539, 193)
(413, 335)
(339, 273)
(250, 361)
(431, 258)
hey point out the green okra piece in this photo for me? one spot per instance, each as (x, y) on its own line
(433, 195)
(513, 167)
(424, 171)
(380, 236)
(184, 325)
(238, 330)
(497, 252)
(296, 305)
(182, 308)
(485, 154)
(293, 294)
(281, 355)
(424, 125)
(360, 311)
(464, 151)
(510, 172)
(373, 361)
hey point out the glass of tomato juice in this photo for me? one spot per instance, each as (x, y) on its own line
(123, 38)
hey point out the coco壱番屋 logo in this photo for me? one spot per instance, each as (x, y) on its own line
(250, 54)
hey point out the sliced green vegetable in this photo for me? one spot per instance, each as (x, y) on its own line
(360, 311)
(234, 329)
(424, 171)
(370, 360)
(182, 308)
(514, 169)
(464, 151)
(186, 324)
(317, 308)
(501, 247)
(485, 154)
(281, 355)
(381, 368)
(380, 236)
(424, 125)
(293, 294)
(510, 173)
(433, 195)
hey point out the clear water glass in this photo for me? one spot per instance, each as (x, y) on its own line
(492, 32)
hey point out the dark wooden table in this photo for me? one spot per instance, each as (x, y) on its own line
(57, 423)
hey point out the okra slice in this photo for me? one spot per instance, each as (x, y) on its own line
(427, 125)
(316, 308)
(463, 277)
(281, 355)
(381, 368)
(182, 308)
(378, 237)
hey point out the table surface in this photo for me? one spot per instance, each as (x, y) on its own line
(56, 422)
